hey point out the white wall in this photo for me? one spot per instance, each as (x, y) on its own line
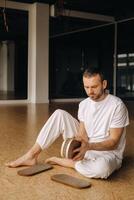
(38, 53)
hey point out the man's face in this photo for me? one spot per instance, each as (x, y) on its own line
(94, 87)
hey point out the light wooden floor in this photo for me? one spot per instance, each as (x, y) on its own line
(19, 127)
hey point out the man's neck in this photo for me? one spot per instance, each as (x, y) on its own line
(103, 96)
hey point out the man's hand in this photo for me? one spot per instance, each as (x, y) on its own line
(81, 150)
(107, 145)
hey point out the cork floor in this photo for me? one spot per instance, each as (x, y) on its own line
(19, 127)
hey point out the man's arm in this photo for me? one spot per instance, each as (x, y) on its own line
(82, 134)
(111, 143)
(107, 145)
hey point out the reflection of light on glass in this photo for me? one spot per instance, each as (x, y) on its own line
(131, 54)
(133, 82)
(121, 64)
(128, 87)
(82, 68)
(131, 64)
(128, 83)
(122, 55)
(123, 81)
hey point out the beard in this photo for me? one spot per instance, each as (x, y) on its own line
(97, 97)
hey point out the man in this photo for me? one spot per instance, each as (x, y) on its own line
(101, 129)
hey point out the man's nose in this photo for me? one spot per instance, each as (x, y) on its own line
(90, 91)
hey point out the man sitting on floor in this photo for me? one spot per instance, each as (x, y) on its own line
(101, 130)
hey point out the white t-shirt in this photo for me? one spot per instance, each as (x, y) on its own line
(99, 117)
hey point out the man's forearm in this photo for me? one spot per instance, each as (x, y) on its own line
(99, 146)
(82, 138)
(103, 146)
(82, 134)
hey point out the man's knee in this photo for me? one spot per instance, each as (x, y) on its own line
(102, 170)
(59, 112)
(94, 169)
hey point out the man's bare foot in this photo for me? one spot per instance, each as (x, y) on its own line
(65, 162)
(25, 160)
(28, 159)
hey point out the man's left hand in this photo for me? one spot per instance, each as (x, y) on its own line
(81, 150)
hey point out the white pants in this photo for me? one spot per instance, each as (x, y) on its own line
(96, 164)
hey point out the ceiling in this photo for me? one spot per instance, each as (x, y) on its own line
(61, 25)
(118, 9)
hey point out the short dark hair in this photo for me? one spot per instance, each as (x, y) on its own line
(92, 71)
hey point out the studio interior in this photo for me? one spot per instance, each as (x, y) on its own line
(45, 47)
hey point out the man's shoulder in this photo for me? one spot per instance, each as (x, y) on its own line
(114, 99)
(115, 102)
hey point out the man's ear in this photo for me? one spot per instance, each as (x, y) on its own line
(104, 84)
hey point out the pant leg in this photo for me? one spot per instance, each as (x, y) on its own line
(98, 165)
(60, 122)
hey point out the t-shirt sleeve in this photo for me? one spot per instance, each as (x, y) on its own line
(80, 113)
(120, 117)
